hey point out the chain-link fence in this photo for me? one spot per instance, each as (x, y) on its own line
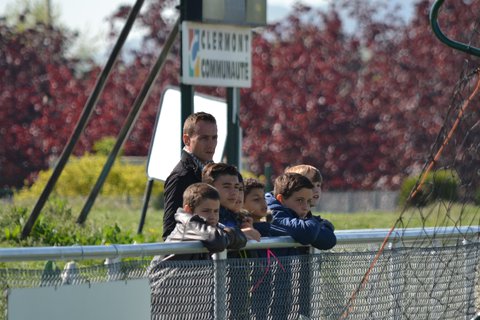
(407, 281)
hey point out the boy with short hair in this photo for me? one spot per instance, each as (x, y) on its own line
(196, 220)
(254, 200)
(290, 206)
(199, 220)
(224, 178)
(315, 177)
(313, 174)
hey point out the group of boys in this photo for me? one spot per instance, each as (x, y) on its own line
(211, 203)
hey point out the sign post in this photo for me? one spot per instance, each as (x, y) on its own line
(217, 51)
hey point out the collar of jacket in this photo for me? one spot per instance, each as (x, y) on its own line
(192, 161)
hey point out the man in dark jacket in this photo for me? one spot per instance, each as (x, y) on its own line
(200, 140)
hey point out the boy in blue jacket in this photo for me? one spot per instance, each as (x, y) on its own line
(290, 206)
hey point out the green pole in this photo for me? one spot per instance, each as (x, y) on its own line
(232, 148)
(82, 122)
(131, 118)
(186, 90)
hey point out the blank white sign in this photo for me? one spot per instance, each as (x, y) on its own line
(119, 300)
(166, 145)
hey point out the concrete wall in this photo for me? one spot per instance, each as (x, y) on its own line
(357, 201)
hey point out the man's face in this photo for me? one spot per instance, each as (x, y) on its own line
(228, 188)
(255, 203)
(209, 210)
(203, 141)
(300, 201)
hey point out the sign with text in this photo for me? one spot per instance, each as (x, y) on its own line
(216, 55)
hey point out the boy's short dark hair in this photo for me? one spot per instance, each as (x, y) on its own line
(191, 121)
(212, 171)
(250, 184)
(306, 170)
(198, 192)
(288, 183)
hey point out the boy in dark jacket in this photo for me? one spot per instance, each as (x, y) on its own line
(290, 207)
(254, 203)
(224, 177)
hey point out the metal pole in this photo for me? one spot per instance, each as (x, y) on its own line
(131, 118)
(233, 127)
(187, 94)
(186, 90)
(87, 111)
(220, 292)
(146, 199)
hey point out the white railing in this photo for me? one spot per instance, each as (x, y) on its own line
(115, 251)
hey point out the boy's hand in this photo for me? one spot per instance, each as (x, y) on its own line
(251, 234)
(328, 224)
(247, 222)
(325, 222)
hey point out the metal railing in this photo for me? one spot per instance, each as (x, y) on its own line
(115, 251)
(417, 264)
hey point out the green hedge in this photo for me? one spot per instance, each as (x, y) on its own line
(80, 174)
(438, 185)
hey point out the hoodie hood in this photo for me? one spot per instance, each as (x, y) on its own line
(271, 201)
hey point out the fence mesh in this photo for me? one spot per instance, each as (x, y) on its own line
(406, 283)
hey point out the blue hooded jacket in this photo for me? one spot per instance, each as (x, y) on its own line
(311, 230)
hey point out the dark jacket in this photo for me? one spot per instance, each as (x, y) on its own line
(229, 218)
(194, 228)
(232, 220)
(311, 230)
(185, 173)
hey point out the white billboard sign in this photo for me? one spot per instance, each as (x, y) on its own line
(119, 300)
(216, 55)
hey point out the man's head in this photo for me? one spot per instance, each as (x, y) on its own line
(295, 192)
(200, 135)
(313, 174)
(224, 178)
(254, 198)
(202, 199)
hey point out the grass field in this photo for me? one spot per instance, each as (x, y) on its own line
(127, 213)
(127, 216)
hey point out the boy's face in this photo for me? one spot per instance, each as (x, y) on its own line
(255, 203)
(227, 186)
(239, 202)
(209, 210)
(317, 190)
(300, 201)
